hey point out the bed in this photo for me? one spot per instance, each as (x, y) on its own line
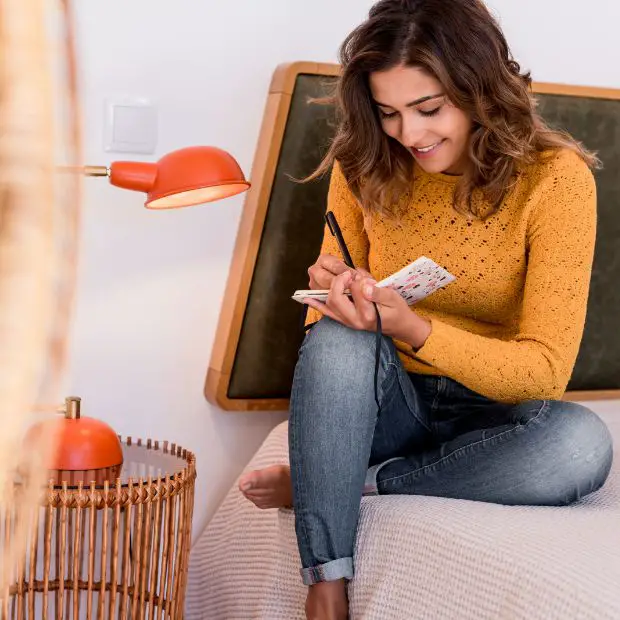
(416, 557)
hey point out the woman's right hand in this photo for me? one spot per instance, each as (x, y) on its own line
(326, 268)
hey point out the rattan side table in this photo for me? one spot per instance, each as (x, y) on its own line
(112, 551)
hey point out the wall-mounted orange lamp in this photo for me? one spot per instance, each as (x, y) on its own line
(186, 177)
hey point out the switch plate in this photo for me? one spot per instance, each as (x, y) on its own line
(130, 125)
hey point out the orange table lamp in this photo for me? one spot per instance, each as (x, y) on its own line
(86, 449)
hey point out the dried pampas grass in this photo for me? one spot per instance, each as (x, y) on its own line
(38, 233)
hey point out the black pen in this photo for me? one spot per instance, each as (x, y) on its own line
(332, 224)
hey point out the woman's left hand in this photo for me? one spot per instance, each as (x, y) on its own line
(358, 312)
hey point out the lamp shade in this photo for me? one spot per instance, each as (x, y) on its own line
(86, 449)
(188, 176)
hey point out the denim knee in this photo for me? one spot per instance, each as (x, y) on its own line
(340, 349)
(582, 449)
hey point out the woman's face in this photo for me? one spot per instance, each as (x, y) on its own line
(415, 111)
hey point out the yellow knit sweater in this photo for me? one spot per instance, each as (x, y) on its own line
(510, 326)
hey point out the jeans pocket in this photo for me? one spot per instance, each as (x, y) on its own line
(416, 405)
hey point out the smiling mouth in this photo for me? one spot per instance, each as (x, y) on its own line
(426, 149)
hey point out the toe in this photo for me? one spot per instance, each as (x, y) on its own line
(246, 483)
(264, 504)
(258, 493)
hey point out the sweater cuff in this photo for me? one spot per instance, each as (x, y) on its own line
(439, 343)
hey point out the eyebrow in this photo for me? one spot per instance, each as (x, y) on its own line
(411, 103)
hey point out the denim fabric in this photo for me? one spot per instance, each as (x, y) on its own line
(433, 437)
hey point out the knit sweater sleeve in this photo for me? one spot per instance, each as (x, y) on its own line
(538, 361)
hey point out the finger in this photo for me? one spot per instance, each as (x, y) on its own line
(322, 308)
(324, 270)
(384, 296)
(334, 265)
(364, 307)
(339, 302)
(364, 273)
(341, 283)
(319, 278)
(315, 283)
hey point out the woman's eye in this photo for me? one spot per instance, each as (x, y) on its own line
(387, 115)
(383, 114)
(430, 112)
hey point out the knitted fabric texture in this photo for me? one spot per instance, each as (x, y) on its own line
(510, 326)
(418, 557)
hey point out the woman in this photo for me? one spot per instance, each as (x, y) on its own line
(440, 152)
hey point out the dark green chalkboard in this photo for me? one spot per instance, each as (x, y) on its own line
(596, 123)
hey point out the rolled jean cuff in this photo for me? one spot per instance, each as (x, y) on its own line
(370, 484)
(342, 568)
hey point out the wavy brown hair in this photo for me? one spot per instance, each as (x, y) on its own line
(460, 44)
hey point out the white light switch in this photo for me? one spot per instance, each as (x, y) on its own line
(130, 125)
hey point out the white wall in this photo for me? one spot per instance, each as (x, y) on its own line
(151, 283)
(565, 41)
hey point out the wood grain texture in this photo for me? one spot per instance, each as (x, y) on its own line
(545, 88)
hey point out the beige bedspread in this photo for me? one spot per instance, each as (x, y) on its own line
(420, 557)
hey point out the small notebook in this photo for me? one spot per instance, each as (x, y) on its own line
(413, 282)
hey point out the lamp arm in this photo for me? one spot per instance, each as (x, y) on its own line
(96, 171)
(88, 171)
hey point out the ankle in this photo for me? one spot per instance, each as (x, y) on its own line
(327, 600)
(333, 587)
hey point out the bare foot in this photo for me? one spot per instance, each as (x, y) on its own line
(269, 487)
(327, 601)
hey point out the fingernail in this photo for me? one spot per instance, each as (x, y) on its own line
(246, 486)
(368, 290)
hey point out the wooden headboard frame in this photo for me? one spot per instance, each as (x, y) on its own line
(253, 219)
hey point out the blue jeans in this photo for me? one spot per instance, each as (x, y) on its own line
(433, 437)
